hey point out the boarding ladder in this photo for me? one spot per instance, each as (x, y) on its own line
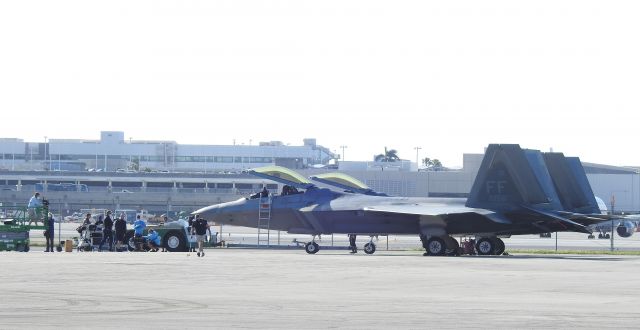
(264, 220)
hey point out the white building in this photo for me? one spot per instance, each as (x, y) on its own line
(113, 152)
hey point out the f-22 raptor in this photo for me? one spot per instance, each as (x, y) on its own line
(516, 192)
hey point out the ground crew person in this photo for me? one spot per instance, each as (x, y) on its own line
(33, 208)
(352, 243)
(199, 228)
(121, 230)
(49, 234)
(107, 232)
(153, 239)
(138, 229)
(87, 219)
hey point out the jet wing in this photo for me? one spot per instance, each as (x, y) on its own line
(437, 211)
(442, 211)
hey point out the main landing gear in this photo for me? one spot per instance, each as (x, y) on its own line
(490, 246)
(440, 246)
(447, 245)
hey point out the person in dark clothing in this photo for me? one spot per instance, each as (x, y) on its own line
(87, 219)
(264, 192)
(99, 221)
(352, 243)
(191, 220)
(200, 227)
(286, 190)
(49, 234)
(107, 232)
(121, 230)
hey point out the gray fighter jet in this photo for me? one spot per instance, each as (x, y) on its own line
(516, 191)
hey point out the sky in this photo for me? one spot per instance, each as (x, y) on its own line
(449, 77)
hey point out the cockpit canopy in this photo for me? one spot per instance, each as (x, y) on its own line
(282, 175)
(342, 181)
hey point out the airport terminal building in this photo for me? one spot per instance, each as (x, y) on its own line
(185, 177)
(112, 152)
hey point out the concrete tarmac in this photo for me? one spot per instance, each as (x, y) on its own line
(260, 289)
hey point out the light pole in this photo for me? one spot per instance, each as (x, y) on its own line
(613, 205)
(613, 210)
(45, 149)
(417, 156)
(343, 147)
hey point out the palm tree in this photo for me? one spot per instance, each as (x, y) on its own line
(432, 164)
(388, 156)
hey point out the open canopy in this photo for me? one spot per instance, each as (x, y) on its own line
(282, 175)
(342, 181)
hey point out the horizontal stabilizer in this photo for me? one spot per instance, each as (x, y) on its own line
(569, 224)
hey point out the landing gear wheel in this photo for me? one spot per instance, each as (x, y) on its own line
(436, 246)
(499, 250)
(312, 247)
(369, 248)
(591, 236)
(485, 246)
(174, 241)
(607, 236)
(600, 236)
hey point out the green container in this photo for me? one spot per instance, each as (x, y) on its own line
(14, 238)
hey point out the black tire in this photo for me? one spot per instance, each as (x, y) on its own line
(600, 236)
(499, 250)
(174, 241)
(436, 246)
(485, 246)
(128, 241)
(369, 248)
(312, 247)
(59, 248)
(607, 236)
(26, 248)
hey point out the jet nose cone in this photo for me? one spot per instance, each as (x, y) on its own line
(208, 212)
(221, 213)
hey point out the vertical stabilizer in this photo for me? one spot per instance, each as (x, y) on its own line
(571, 183)
(509, 178)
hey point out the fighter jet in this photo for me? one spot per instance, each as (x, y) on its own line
(513, 194)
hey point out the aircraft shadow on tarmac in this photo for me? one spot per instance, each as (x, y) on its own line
(566, 257)
(511, 256)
